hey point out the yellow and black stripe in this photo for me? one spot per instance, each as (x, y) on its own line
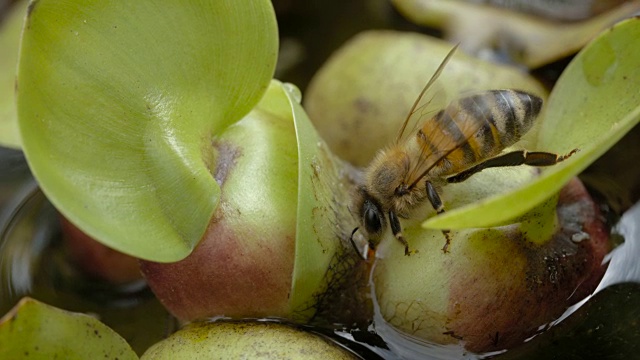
(477, 127)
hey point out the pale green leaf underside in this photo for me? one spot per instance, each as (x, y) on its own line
(316, 177)
(33, 330)
(594, 103)
(9, 45)
(118, 102)
(318, 188)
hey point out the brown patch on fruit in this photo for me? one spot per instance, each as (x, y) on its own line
(520, 287)
(227, 155)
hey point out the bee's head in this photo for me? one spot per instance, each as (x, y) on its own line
(371, 216)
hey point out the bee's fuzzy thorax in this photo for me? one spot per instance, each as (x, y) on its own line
(386, 174)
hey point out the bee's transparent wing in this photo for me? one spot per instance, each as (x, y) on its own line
(431, 99)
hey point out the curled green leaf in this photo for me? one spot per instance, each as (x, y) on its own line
(275, 241)
(118, 104)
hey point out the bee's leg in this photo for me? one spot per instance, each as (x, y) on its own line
(435, 201)
(514, 158)
(397, 232)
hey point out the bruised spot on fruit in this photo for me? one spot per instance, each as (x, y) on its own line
(363, 105)
(364, 109)
(226, 159)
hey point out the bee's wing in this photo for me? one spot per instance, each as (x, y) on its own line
(429, 97)
(438, 137)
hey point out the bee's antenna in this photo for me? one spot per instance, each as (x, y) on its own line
(433, 78)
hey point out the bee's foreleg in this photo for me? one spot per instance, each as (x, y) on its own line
(436, 202)
(396, 228)
(514, 158)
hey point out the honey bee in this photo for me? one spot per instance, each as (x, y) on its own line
(462, 139)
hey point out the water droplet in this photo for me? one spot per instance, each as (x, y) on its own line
(293, 91)
(579, 236)
(598, 65)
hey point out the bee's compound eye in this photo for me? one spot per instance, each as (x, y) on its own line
(372, 220)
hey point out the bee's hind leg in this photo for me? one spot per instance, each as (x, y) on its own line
(514, 158)
(436, 202)
(397, 232)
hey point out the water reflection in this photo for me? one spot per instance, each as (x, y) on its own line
(17, 191)
(22, 243)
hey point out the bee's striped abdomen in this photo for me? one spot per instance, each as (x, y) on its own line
(510, 112)
(479, 126)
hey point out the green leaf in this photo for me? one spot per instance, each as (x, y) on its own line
(594, 103)
(118, 103)
(321, 185)
(33, 330)
(10, 29)
(322, 194)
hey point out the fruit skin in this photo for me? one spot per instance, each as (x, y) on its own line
(495, 289)
(246, 340)
(97, 260)
(222, 278)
